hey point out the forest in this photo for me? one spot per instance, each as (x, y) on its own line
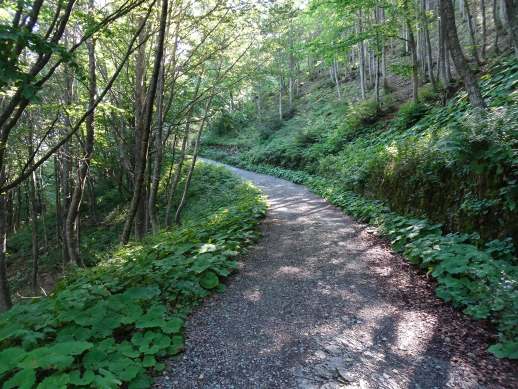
(258, 193)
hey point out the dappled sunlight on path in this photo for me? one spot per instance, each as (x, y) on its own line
(318, 304)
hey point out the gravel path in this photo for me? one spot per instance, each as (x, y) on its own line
(322, 302)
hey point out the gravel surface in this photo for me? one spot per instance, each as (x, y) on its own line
(322, 302)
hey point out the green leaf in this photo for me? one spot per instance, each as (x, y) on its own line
(505, 350)
(77, 379)
(24, 379)
(173, 325)
(143, 381)
(154, 317)
(43, 357)
(56, 381)
(148, 361)
(10, 357)
(209, 280)
(176, 345)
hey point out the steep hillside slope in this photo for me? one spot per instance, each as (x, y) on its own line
(441, 181)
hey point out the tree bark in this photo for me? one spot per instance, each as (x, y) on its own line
(177, 175)
(336, 79)
(484, 27)
(499, 28)
(5, 295)
(34, 232)
(73, 214)
(428, 44)
(182, 203)
(415, 64)
(512, 14)
(461, 65)
(362, 58)
(280, 99)
(471, 29)
(140, 169)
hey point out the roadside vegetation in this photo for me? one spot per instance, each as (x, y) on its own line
(114, 323)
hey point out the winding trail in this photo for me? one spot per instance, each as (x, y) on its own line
(322, 302)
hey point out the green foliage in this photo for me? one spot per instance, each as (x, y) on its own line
(409, 114)
(227, 124)
(269, 126)
(362, 113)
(110, 325)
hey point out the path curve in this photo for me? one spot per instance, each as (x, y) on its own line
(321, 302)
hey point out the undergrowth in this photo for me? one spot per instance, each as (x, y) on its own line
(113, 324)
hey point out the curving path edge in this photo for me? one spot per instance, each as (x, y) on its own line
(322, 302)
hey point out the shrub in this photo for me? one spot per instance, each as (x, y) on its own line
(362, 113)
(269, 126)
(427, 94)
(409, 113)
(227, 124)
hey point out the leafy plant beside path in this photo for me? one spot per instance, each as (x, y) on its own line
(113, 324)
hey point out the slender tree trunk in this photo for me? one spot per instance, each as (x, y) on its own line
(41, 203)
(471, 29)
(178, 172)
(157, 160)
(140, 169)
(461, 65)
(512, 14)
(170, 174)
(59, 206)
(34, 231)
(73, 215)
(498, 25)
(280, 99)
(428, 45)
(362, 58)
(415, 64)
(177, 176)
(5, 295)
(182, 203)
(484, 27)
(336, 79)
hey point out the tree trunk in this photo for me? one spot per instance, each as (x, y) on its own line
(362, 58)
(176, 179)
(280, 99)
(415, 64)
(512, 14)
(471, 29)
(461, 65)
(73, 214)
(484, 27)
(182, 203)
(157, 160)
(428, 45)
(59, 206)
(140, 168)
(5, 295)
(499, 28)
(336, 79)
(34, 231)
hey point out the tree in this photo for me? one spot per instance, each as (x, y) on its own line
(462, 66)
